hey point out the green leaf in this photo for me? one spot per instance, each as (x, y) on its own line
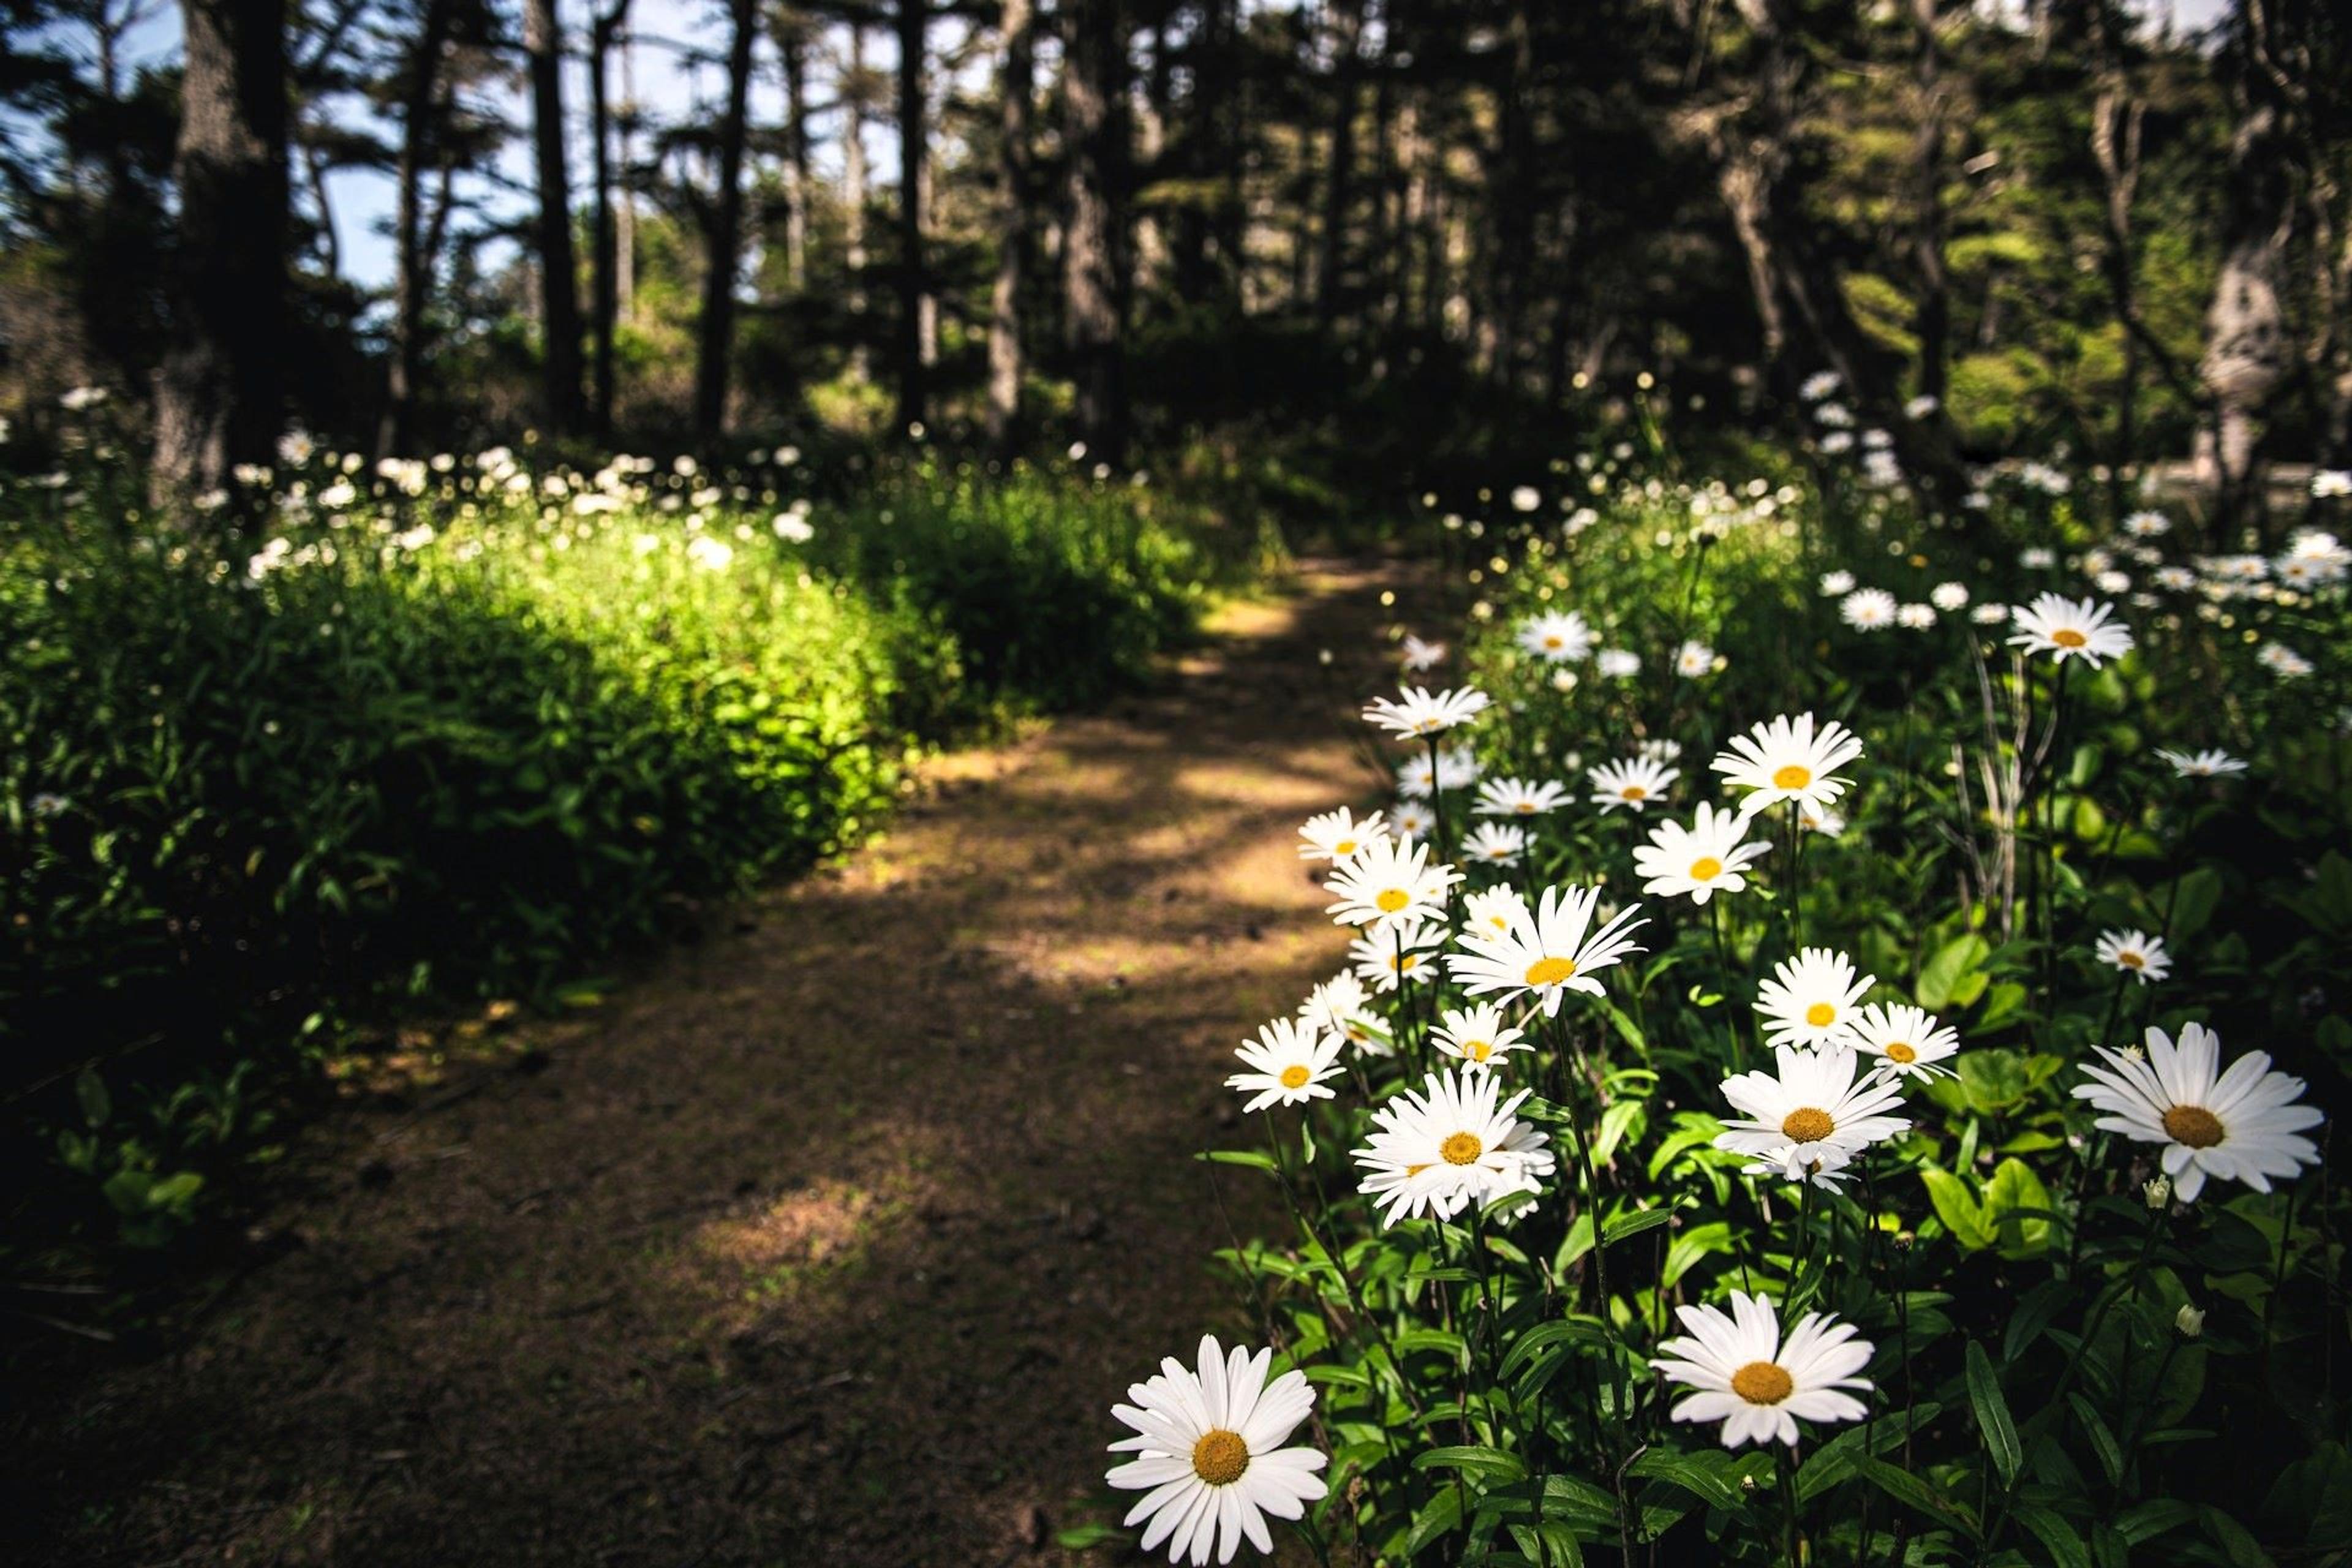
(90, 1093)
(1474, 1459)
(2067, 1548)
(2016, 1209)
(2193, 899)
(1440, 1516)
(1712, 1477)
(1618, 1229)
(1992, 1415)
(1942, 977)
(1250, 1157)
(1833, 1463)
(1910, 1490)
(1085, 1537)
(1956, 1207)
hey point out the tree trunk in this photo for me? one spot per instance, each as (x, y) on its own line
(1095, 87)
(853, 196)
(1347, 17)
(792, 47)
(1015, 81)
(2116, 117)
(2246, 353)
(1933, 321)
(605, 307)
(216, 391)
(420, 108)
(716, 338)
(558, 273)
(914, 27)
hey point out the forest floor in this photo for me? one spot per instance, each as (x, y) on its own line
(830, 1241)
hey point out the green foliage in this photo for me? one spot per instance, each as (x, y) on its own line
(466, 732)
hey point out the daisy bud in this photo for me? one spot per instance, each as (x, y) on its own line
(2189, 1322)
(2159, 1192)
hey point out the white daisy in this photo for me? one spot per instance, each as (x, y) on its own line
(2242, 1125)
(1907, 1041)
(1701, 860)
(1416, 712)
(2071, 629)
(1916, 617)
(1410, 818)
(1488, 910)
(1618, 663)
(1693, 659)
(1559, 637)
(1209, 1457)
(1634, 783)
(1812, 1102)
(2206, 764)
(1835, 585)
(1820, 820)
(2282, 661)
(1477, 1034)
(2134, 952)
(1949, 597)
(1448, 1146)
(1868, 609)
(1495, 844)
(1456, 768)
(1330, 1005)
(1386, 882)
(1288, 1063)
(1546, 952)
(1421, 656)
(1811, 998)
(1407, 949)
(1336, 834)
(1809, 1164)
(1788, 759)
(2147, 525)
(1520, 797)
(1757, 1383)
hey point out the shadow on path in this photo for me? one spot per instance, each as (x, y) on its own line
(829, 1243)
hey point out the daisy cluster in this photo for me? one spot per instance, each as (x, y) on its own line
(1437, 1040)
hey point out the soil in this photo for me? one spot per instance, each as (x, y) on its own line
(829, 1241)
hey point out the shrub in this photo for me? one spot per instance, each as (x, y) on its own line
(457, 731)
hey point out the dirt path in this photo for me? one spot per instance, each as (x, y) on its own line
(829, 1243)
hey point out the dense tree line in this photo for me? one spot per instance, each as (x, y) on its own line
(2003, 228)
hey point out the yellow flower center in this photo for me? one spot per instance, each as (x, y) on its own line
(1221, 1456)
(1412, 1171)
(1794, 777)
(1551, 642)
(1760, 1383)
(1525, 809)
(1345, 848)
(2067, 636)
(1550, 970)
(1391, 900)
(1407, 961)
(2193, 1126)
(1821, 1015)
(1461, 1148)
(1807, 1125)
(2130, 959)
(1477, 1050)
(1706, 869)
(1295, 1075)
(1634, 792)
(1897, 1051)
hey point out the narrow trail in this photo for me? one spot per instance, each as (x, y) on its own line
(829, 1242)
